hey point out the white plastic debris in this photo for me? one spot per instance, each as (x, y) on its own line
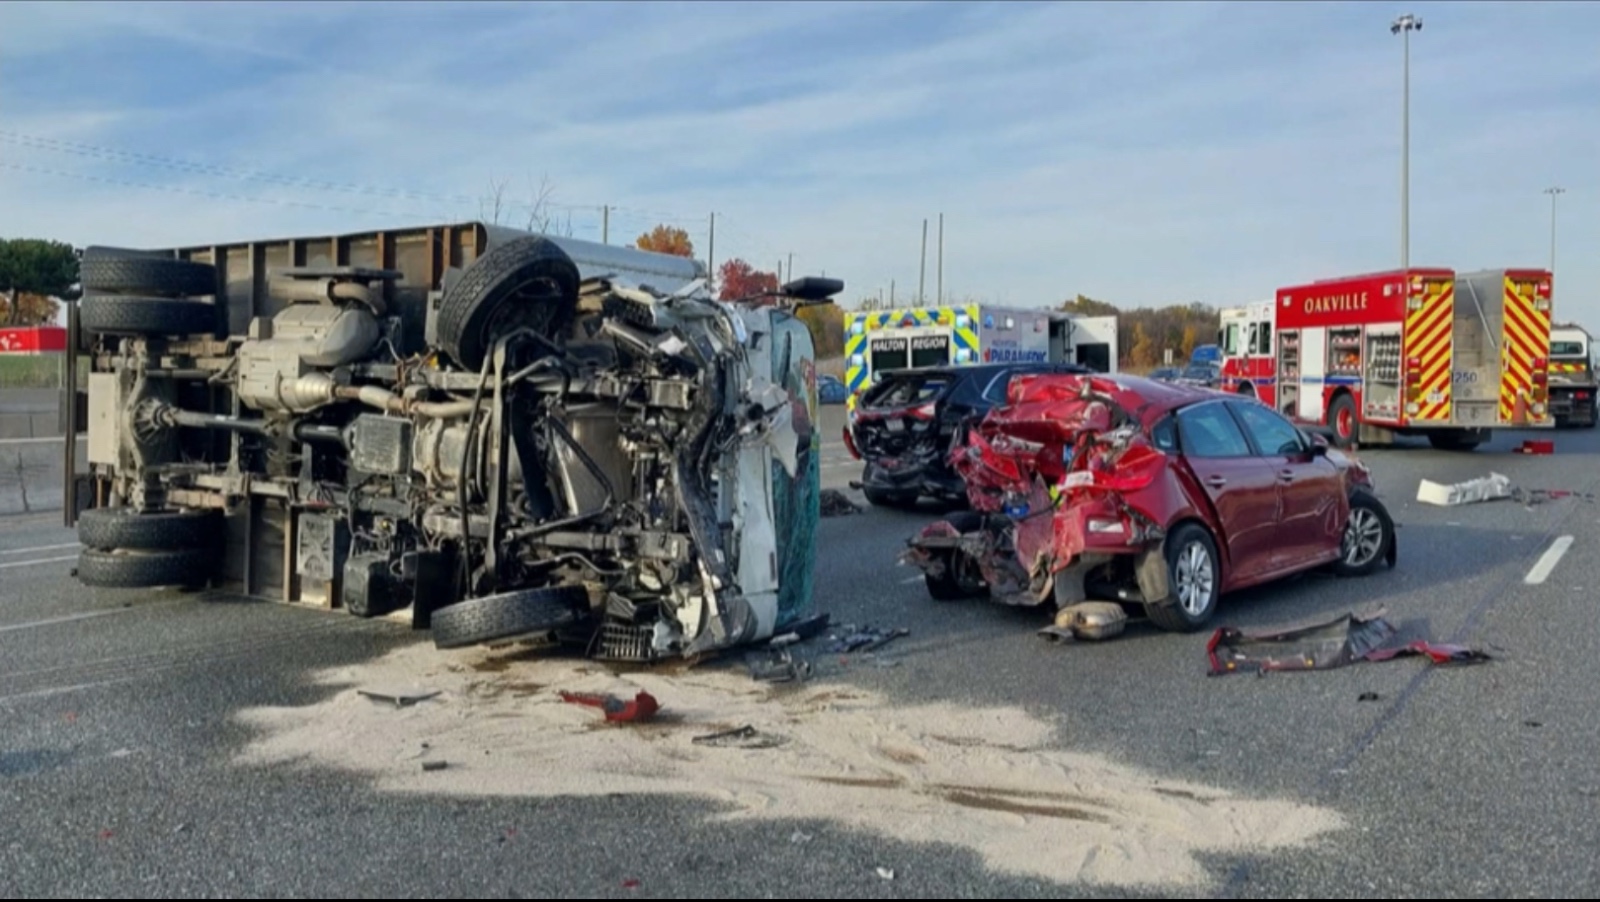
(1485, 488)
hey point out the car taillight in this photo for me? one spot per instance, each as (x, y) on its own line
(1133, 471)
(925, 412)
(1581, 396)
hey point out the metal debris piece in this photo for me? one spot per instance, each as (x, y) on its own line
(434, 765)
(1324, 645)
(886, 873)
(745, 737)
(1091, 620)
(836, 504)
(865, 639)
(400, 697)
(810, 628)
(777, 665)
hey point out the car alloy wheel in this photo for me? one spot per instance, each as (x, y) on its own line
(1196, 578)
(1363, 537)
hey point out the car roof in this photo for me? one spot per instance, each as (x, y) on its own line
(1149, 399)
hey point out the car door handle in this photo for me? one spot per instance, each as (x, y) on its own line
(1216, 482)
(1286, 475)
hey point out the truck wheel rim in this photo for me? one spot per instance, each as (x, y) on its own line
(1363, 536)
(1195, 579)
(1344, 422)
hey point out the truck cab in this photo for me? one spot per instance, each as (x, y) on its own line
(1573, 388)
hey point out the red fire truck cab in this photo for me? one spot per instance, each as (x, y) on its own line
(1424, 351)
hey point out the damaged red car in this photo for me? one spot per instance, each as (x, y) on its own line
(1164, 496)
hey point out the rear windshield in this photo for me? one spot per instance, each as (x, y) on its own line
(905, 390)
(1566, 349)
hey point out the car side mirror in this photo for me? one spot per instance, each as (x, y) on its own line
(1317, 450)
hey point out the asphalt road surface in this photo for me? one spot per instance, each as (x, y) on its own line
(117, 731)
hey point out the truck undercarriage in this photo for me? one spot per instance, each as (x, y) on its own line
(506, 447)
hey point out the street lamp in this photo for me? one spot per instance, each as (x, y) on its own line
(1553, 192)
(1403, 26)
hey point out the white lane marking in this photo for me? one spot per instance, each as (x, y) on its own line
(48, 560)
(1547, 562)
(39, 548)
(69, 618)
(59, 690)
(910, 580)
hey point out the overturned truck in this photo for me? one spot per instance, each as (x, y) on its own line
(489, 433)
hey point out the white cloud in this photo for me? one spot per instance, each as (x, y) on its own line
(1140, 153)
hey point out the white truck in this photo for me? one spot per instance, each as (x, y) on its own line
(1574, 388)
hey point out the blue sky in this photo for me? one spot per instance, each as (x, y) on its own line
(1143, 153)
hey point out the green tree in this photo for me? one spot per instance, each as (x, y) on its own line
(38, 267)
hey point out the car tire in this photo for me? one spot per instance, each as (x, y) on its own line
(170, 530)
(1369, 537)
(1344, 423)
(896, 500)
(508, 615)
(1192, 564)
(106, 270)
(117, 315)
(960, 577)
(529, 282)
(190, 568)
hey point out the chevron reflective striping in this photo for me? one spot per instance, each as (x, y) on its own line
(1429, 338)
(1525, 338)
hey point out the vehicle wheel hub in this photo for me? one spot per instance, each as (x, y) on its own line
(1196, 578)
(1363, 536)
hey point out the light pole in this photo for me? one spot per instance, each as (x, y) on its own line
(1553, 192)
(1403, 26)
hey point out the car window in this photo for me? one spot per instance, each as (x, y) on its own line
(1230, 340)
(1164, 435)
(1272, 434)
(1208, 431)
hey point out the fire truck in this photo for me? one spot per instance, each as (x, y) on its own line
(1423, 351)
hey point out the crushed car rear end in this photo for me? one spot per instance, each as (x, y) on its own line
(902, 430)
(1070, 471)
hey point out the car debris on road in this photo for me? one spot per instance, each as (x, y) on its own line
(1494, 487)
(1324, 645)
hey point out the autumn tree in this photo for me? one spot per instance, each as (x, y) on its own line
(1143, 352)
(665, 239)
(33, 271)
(826, 322)
(741, 280)
(1191, 337)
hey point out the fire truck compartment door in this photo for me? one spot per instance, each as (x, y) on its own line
(1313, 370)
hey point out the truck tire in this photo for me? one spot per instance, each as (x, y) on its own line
(170, 530)
(164, 277)
(1456, 439)
(1192, 558)
(529, 611)
(1344, 423)
(529, 282)
(116, 315)
(190, 568)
